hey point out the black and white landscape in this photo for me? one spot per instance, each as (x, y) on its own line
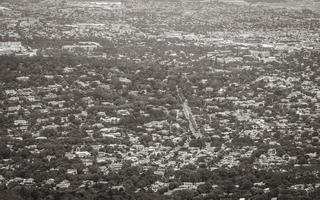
(159, 99)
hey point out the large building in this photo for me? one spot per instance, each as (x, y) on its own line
(109, 5)
(86, 46)
(10, 47)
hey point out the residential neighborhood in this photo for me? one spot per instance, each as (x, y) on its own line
(159, 99)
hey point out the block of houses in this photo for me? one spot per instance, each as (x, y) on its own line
(63, 184)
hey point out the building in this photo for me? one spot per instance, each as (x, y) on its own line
(86, 46)
(260, 54)
(64, 184)
(10, 47)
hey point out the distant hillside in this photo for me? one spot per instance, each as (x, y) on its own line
(266, 1)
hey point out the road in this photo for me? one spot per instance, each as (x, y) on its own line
(189, 116)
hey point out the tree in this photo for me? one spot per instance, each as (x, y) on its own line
(204, 188)
(227, 186)
(197, 143)
(184, 195)
(302, 160)
(4, 151)
(10, 195)
(145, 139)
(57, 120)
(246, 184)
(49, 132)
(214, 195)
(173, 185)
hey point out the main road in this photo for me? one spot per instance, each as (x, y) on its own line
(189, 116)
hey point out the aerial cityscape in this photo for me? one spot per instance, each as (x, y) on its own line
(159, 99)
